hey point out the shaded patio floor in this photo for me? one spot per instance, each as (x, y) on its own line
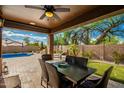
(29, 71)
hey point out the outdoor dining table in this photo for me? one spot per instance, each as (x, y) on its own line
(71, 72)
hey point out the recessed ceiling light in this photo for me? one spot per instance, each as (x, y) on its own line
(32, 23)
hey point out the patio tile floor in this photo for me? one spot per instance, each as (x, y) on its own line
(29, 71)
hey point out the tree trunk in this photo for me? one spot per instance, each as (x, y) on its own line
(105, 32)
(102, 36)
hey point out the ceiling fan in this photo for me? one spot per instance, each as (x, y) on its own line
(49, 11)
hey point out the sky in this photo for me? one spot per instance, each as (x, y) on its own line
(19, 35)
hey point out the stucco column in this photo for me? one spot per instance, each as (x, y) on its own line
(50, 43)
(1, 26)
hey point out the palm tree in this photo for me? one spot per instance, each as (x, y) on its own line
(106, 28)
(66, 37)
(82, 34)
(26, 40)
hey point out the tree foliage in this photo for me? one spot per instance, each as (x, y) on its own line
(107, 31)
(116, 57)
(73, 50)
(26, 40)
(107, 28)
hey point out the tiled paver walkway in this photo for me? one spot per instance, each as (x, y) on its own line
(28, 68)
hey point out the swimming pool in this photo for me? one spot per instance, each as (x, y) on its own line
(13, 55)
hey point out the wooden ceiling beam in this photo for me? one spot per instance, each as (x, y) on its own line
(93, 14)
(23, 26)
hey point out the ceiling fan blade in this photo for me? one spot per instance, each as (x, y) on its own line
(42, 17)
(56, 16)
(62, 9)
(34, 7)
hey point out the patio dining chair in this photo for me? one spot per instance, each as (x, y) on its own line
(81, 61)
(44, 76)
(55, 80)
(99, 82)
(10, 82)
(77, 61)
(46, 57)
(70, 60)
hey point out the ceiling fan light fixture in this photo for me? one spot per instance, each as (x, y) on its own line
(49, 14)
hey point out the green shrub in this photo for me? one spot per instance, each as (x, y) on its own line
(54, 51)
(122, 57)
(88, 54)
(116, 57)
(73, 50)
(15, 52)
(58, 51)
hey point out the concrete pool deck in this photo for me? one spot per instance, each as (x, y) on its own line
(29, 71)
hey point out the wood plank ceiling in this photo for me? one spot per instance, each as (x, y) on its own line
(78, 14)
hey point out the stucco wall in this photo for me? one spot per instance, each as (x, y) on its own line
(15, 49)
(103, 52)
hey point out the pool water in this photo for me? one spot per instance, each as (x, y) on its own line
(13, 55)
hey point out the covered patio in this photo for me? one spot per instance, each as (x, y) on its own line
(19, 17)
